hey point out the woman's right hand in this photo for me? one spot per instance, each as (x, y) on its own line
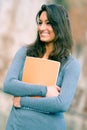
(52, 91)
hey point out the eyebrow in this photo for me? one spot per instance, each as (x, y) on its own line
(41, 20)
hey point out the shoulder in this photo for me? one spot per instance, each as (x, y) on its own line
(71, 63)
(21, 52)
(74, 62)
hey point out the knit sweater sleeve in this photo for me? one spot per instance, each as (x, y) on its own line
(62, 102)
(13, 84)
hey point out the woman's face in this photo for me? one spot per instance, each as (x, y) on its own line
(45, 29)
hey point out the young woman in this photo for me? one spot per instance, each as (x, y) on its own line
(54, 41)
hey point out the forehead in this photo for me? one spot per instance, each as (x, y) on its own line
(43, 15)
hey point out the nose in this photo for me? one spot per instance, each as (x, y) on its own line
(42, 26)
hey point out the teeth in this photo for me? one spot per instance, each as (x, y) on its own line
(45, 33)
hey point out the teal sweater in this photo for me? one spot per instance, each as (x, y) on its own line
(40, 113)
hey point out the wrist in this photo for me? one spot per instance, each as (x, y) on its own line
(43, 91)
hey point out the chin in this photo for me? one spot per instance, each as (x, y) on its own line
(44, 40)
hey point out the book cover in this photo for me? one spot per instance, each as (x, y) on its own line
(40, 71)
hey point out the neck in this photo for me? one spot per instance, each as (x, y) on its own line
(49, 48)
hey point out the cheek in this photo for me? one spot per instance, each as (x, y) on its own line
(38, 28)
(52, 31)
(53, 34)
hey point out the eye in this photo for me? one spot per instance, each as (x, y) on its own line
(48, 22)
(39, 22)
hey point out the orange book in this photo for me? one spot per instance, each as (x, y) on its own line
(40, 71)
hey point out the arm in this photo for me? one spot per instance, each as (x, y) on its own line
(13, 84)
(61, 102)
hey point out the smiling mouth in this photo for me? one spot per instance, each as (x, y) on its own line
(44, 34)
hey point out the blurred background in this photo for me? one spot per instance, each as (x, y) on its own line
(18, 27)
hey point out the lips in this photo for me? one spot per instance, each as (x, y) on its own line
(43, 34)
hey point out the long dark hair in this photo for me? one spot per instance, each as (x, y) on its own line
(59, 20)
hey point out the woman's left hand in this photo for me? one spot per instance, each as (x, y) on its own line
(16, 102)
